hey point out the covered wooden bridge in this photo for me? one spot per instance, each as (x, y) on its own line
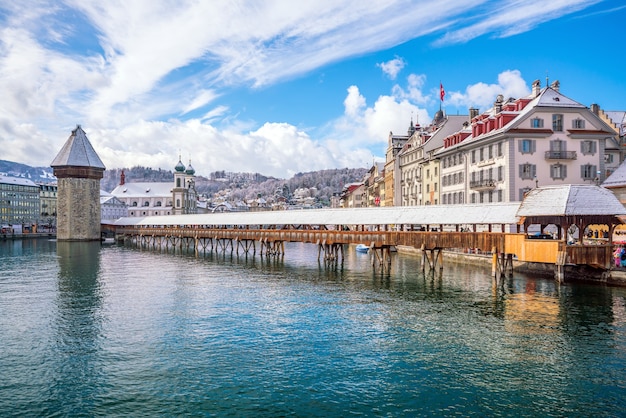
(501, 229)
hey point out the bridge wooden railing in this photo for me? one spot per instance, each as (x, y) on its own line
(485, 241)
(526, 250)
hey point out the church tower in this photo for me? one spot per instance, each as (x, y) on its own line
(78, 170)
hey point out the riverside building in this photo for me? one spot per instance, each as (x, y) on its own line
(19, 203)
(520, 144)
(160, 198)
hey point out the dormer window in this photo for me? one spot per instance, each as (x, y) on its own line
(536, 123)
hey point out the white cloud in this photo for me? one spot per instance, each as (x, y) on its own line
(392, 68)
(510, 17)
(132, 73)
(482, 95)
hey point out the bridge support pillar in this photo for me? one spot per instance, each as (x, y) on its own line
(433, 257)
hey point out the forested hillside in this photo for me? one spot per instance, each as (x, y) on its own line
(241, 186)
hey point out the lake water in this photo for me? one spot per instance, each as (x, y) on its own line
(92, 330)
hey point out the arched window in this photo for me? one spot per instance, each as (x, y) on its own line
(158, 204)
(134, 204)
(146, 203)
(177, 203)
(178, 182)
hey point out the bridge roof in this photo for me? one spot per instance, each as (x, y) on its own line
(571, 199)
(479, 214)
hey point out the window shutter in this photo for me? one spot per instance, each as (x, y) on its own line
(533, 170)
(593, 147)
(521, 170)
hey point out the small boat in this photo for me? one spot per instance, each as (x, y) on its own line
(362, 248)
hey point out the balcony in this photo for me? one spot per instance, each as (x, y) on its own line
(560, 155)
(480, 185)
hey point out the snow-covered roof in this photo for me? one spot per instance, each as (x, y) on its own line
(18, 181)
(617, 178)
(570, 199)
(553, 98)
(497, 213)
(77, 151)
(144, 189)
(451, 125)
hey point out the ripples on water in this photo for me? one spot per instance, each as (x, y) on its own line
(106, 331)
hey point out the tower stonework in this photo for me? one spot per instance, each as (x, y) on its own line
(78, 170)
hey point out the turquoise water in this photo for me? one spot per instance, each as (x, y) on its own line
(91, 330)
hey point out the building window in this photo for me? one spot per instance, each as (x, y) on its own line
(527, 171)
(558, 171)
(482, 154)
(473, 198)
(473, 156)
(500, 173)
(588, 147)
(500, 195)
(536, 123)
(490, 152)
(499, 149)
(158, 204)
(557, 145)
(134, 204)
(578, 124)
(588, 172)
(177, 182)
(557, 123)
(146, 203)
(608, 158)
(527, 146)
(177, 203)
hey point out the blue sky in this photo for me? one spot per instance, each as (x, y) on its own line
(277, 86)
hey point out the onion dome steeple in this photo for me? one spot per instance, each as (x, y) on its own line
(190, 171)
(180, 167)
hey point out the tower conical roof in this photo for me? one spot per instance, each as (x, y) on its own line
(77, 152)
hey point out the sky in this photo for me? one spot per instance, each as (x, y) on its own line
(280, 86)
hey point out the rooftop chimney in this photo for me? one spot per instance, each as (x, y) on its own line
(555, 85)
(536, 88)
(473, 112)
(595, 108)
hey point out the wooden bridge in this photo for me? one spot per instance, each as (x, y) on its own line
(498, 230)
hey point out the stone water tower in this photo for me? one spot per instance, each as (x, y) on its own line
(78, 170)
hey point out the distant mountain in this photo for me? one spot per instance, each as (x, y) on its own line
(241, 185)
(35, 174)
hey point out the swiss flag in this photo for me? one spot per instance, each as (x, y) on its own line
(442, 92)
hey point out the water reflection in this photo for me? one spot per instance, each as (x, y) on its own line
(78, 324)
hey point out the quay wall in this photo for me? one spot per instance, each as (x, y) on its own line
(577, 273)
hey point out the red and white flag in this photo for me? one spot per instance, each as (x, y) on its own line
(442, 92)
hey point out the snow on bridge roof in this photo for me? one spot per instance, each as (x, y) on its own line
(570, 199)
(497, 213)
